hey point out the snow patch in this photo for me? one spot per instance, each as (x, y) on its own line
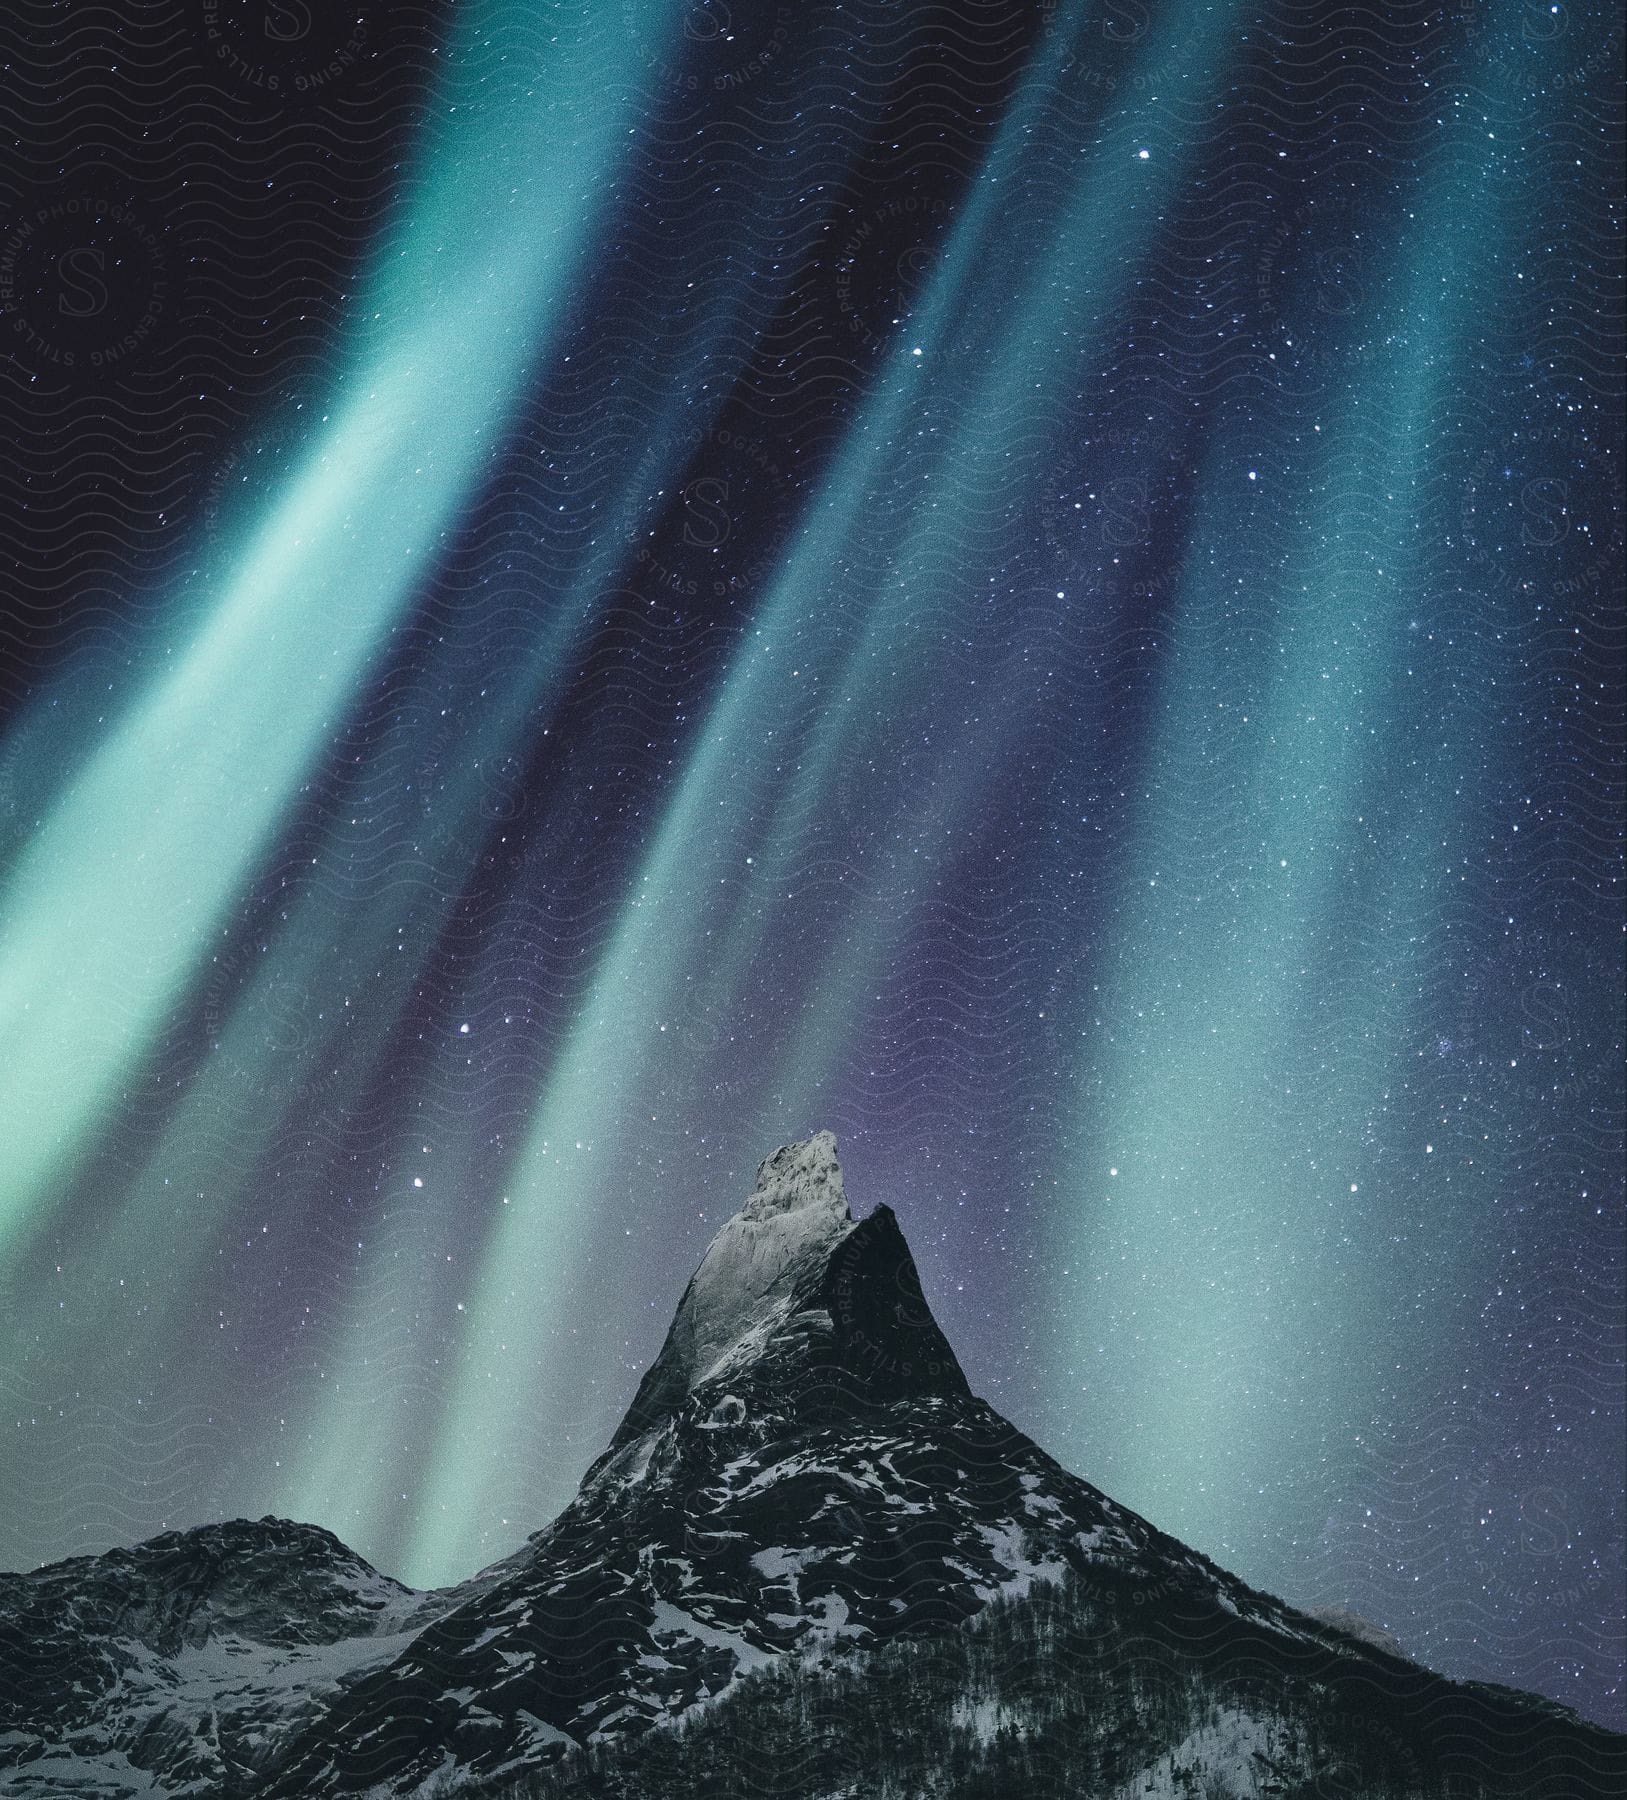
(1006, 1541)
(778, 1563)
(673, 1621)
(1230, 1755)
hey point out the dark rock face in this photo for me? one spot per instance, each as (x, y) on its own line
(804, 1479)
(184, 1661)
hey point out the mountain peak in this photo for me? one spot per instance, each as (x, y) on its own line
(804, 1479)
(790, 1221)
(798, 1177)
(793, 1286)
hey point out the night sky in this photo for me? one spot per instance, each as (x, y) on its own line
(590, 587)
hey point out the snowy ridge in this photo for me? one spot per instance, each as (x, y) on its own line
(184, 1665)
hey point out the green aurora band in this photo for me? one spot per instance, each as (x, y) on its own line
(1268, 932)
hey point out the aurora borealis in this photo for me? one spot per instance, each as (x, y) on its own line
(1033, 585)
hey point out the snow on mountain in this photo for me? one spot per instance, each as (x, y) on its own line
(795, 1213)
(747, 1279)
(803, 1478)
(180, 1666)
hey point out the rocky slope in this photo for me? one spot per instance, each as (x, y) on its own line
(182, 1665)
(803, 1482)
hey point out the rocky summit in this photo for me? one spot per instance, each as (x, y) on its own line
(810, 1562)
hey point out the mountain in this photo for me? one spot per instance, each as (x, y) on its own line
(809, 1562)
(178, 1666)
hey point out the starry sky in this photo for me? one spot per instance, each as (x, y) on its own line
(593, 588)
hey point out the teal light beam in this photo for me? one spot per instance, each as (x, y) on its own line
(236, 1094)
(984, 365)
(1223, 1269)
(1001, 406)
(510, 1355)
(115, 900)
(694, 917)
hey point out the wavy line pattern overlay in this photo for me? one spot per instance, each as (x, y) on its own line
(590, 588)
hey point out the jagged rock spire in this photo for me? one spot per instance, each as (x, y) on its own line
(792, 1289)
